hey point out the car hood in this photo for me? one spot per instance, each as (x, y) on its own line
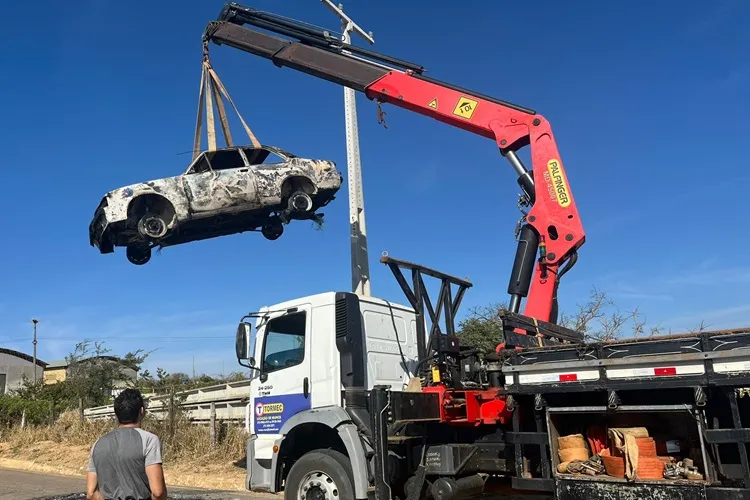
(158, 186)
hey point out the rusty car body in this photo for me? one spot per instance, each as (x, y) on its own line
(222, 192)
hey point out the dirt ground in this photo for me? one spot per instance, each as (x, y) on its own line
(48, 456)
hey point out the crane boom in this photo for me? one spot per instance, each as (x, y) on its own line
(552, 231)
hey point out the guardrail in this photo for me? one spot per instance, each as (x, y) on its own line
(228, 401)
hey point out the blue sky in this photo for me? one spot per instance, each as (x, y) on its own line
(648, 102)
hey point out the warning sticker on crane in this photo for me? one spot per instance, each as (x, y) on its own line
(433, 104)
(465, 107)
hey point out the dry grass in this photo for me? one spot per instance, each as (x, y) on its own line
(189, 458)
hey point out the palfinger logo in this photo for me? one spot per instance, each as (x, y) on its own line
(559, 186)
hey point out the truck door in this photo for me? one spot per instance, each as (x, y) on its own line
(283, 387)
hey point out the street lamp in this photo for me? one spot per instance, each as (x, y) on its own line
(34, 321)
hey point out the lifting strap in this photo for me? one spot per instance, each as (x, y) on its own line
(211, 89)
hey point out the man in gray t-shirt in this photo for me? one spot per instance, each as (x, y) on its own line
(125, 464)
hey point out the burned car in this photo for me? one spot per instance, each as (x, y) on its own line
(222, 192)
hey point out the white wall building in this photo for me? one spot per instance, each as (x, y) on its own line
(13, 366)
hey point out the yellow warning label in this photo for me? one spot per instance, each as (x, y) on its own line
(557, 185)
(435, 374)
(465, 107)
(433, 104)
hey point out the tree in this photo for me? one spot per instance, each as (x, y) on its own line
(598, 318)
(483, 328)
(93, 373)
(165, 382)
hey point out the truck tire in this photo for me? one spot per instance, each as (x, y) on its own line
(324, 473)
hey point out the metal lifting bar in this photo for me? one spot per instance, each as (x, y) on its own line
(239, 14)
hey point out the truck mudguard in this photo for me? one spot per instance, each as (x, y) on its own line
(337, 419)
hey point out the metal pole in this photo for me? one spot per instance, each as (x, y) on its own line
(34, 321)
(357, 230)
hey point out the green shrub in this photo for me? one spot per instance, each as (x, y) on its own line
(12, 409)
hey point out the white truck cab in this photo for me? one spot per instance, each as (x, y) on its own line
(313, 359)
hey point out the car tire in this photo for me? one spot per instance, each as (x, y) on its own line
(299, 201)
(138, 254)
(272, 231)
(325, 470)
(152, 226)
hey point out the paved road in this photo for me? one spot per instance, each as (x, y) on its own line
(23, 485)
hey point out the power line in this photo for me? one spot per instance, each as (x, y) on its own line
(124, 338)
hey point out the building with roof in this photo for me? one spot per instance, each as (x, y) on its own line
(13, 366)
(57, 371)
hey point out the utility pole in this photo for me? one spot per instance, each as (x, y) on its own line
(357, 230)
(34, 321)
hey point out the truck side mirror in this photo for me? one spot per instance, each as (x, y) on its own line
(240, 343)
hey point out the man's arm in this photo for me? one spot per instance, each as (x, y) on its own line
(156, 482)
(154, 470)
(92, 483)
(92, 487)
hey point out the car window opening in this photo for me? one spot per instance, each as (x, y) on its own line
(225, 159)
(262, 156)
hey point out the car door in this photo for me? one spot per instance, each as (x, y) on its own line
(282, 389)
(221, 182)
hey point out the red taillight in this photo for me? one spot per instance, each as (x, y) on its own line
(568, 377)
(662, 372)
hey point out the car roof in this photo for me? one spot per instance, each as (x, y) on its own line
(273, 149)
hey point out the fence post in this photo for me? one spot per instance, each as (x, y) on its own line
(51, 412)
(80, 409)
(213, 423)
(23, 418)
(172, 415)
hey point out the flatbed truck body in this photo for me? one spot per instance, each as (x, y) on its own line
(341, 386)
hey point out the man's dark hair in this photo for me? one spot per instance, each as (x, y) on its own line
(128, 406)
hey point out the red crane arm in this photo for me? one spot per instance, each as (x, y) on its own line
(553, 215)
(558, 232)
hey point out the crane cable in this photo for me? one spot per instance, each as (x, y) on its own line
(211, 89)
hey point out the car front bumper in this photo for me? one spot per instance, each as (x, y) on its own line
(99, 230)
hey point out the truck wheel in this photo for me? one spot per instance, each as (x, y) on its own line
(138, 254)
(320, 475)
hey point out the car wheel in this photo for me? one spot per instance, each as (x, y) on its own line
(272, 231)
(152, 226)
(320, 474)
(300, 202)
(138, 254)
